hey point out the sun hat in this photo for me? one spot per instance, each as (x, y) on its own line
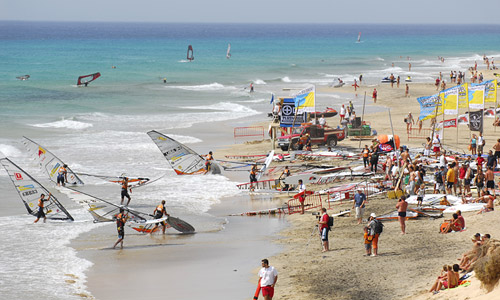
(373, 215)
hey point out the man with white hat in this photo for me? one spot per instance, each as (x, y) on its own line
(375, 230)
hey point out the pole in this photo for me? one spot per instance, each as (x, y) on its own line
(362, 119)
(393, 138)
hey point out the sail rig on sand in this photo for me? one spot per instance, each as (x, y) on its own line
(30, 191)
(183, 160)
(49, 162)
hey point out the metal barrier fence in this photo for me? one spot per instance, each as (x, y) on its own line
(343, 196)
(269, 184)
(311, 202)
(253, 131)
(415, 133)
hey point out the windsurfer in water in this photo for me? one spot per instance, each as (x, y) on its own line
(41, 213)
(251, 87)
(62, 175)
(124, 192)
(121, 219)
(253, 176)
(159, 212)
(208, 161)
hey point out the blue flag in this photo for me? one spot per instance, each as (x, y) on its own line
(272, 98)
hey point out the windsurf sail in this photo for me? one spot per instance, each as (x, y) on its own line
(86, 79)
(24, 77)
(228, 53)
(268, 162)
(183, 160)
(30, 191)
(190, 55)
(359, 37)
(49, 162)
(133, 182)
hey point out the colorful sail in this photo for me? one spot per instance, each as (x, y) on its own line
(86, 79)
(190, 55)
(24, 77)
(30, 191)
(183, 160)
(49, 162)
(228, 53)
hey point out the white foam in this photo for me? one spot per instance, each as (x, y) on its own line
(70, 124)
(259, 81)
(225, 106)
(286, 79)
(203, 87)
(10, 151)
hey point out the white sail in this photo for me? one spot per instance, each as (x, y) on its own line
(359, 37)
(183, 160)
(228, 54)
(268, 162)
(30, 191)
(49, 162)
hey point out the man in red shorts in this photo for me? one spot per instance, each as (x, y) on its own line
(268, 277)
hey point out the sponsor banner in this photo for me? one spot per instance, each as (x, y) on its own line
(476, 120)
(463, 119)
(476, 96)
(449, 123)
(305, 99)
(490, 91)
(450, 99)
(288, 114)
(430, 107)
(463, 97)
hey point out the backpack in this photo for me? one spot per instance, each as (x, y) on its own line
(330, 221)
(379, 227)
(438, 176)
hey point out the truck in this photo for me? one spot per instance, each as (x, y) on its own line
(320, 135)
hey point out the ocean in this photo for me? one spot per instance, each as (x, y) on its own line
(101, 129)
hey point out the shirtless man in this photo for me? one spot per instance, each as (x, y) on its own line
(405, 156)
(41, 206)
(489, 176)
(208, 161)
(401, 207)
(490, 205)
(388, 167)
(412, 181)
(158, 213)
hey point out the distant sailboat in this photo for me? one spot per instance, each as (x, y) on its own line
(228, 54)
(359, 38)
(190, 55)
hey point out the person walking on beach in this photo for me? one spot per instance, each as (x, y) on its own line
(376, 228)
(374, 95)
(409, 67)
(267, 279)
(302, 198)
(121, 219)
(41, 206)
(366, 155)
(401, 207)
(158, 213)
(398, 80)
(359, 205)
(253, 176)
(342, 113)
(324, 229)
(407, 90)
(409, 122)
(124, 192)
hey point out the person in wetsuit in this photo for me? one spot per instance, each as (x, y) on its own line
(41, 205)
(159, 212)
(121, 219)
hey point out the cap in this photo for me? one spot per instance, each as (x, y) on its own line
(373, 215)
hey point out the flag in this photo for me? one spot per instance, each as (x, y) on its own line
(476, 120)
(428, 107)
(305, 100)
(288, 114)
(463, 119)
(272, 98)
(463, 97)
(476, 96)
(450, 99)
(490, 91)
(449, 123)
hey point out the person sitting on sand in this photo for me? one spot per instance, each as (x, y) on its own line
(449, 281)
(286, 172)
(497, 122)
(490, 205)
(452, 225)
(441, 276)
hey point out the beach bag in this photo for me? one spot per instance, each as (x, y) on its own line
(379, 227)
(330, 221)
(470, 147)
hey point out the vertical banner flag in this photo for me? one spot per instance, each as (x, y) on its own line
(476, 96)
(476, 120)
(428, 107)
(450, 99)
(305, 99)
(490, 91)
(463, 97)
(288, 114)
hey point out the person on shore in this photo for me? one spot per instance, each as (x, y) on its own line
(324, 229)
(398, 80)
(427, 147)
(367, 237)
(479, 180)
(359, 205)
(448, 281)
(401, 207)
(268, 276)
(322, 121)
(360, 78)
(124, 192)
(41, 206)
(491, 160)
(437, 83)
(440, 178)
(421, 195)
(366, 155)
(121, 219)
(489, 177)
(407, 90)
(208, 161)
(443, 85)
(480, 144)
(490, 203)
(286, 173)
(374, 161)
(342, 113)
(62, 175)
(374, 95)
(302, 198)
(460, 218)
(469, 174)
(452, 224)
(355, 85)
(462, 171)
(496, 147)
(158, 213)
(376, 228)
(450, 179)
(392, 80)
(253, 176)
(473, 144)
(409, 122)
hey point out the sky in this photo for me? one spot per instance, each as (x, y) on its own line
(254, 11)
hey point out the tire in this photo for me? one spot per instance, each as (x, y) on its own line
(295, 144)
(284, 148)
(332, 141)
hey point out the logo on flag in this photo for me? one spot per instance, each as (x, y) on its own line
(19, 176)
(476, 120)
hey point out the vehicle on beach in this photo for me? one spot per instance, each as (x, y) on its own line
(387, 80)
(320, 135)
(328, 113)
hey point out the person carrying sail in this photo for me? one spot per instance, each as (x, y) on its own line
(208, 162)
(41, 213)
(62, 175)
(159, 212)
(124, 192)
(121, 219)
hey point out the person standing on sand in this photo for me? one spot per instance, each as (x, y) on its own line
(253, 176)
(359, 205)
(121, 219)
(374, 95)
(373, 225)
(409, 122)
(324, 229)
(302, 198)
(407, 90)
(268, 277)
(409, 67)
(158, 214)
(398, 80)
(401, 207)
(496, 147)
(392, 80)
(342, 113)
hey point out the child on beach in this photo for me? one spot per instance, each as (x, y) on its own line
(420, 195)
(368, 241)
